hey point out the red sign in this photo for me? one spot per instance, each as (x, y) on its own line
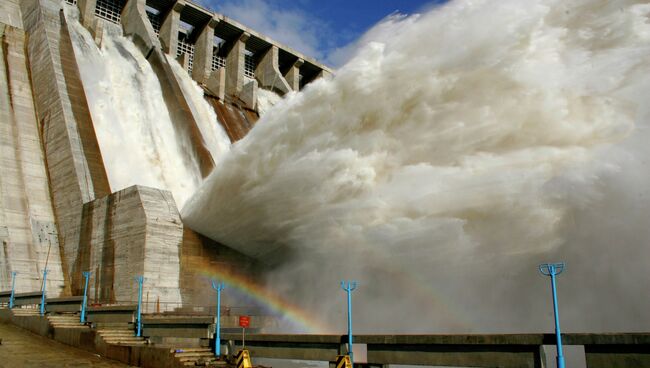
(244, 321)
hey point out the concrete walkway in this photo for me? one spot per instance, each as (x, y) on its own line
(22, 348)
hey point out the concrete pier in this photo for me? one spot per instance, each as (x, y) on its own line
(28, 230)
(136, 231)
(75, 167)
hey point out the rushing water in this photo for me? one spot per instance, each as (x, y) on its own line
(447, 160)
(136, 135)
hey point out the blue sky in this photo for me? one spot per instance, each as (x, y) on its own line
(318, 28)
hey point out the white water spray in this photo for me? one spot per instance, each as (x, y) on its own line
(440, 166)
(135, 133)
(215, 137)
(267, 99)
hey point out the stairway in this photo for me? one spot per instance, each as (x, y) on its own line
(25, 312)
(120, 337)
(69, 320)
(201, 357)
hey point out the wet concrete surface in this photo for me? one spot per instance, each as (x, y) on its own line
(22, 348)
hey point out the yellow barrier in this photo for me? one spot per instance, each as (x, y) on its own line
(343, 361)
(244, 359)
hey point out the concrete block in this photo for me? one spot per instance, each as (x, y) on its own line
(248, 94)
(268, 73)
(235, 65)
(169, 28)
(87, 13)
(136, 25)
(184, 60)
(216, 83)
(293, 75)
(203, 51)
(125, 235)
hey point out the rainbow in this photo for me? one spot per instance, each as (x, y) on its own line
(299, 319)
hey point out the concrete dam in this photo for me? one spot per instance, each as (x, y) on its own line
(112, 113)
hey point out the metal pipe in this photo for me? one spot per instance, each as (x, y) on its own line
(82, 319)
(140, 280)
(349, 287)
(552, 270)
(218, 286)
(13, 289)
(43, 292)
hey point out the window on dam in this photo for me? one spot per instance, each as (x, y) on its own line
(249, 65)
(154, 19)
(185, 47)
(218, 61)
(109, 10)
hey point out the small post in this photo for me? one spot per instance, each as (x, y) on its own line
(218, 287)
(140, 280)
(43, 292)
(82, 319)
(13, 289)
(349, 286)
(552, 270)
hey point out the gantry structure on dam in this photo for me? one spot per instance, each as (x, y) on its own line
(219, 52)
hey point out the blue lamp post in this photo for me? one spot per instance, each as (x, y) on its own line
(140, 280)
(43, 292)
(13, 289)
(552, 270)
(348, 287)
(82, 319)
(218, 287)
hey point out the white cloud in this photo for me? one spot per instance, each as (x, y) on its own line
(291, 27)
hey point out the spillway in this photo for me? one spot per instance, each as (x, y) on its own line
(138, 140)
(446, 160)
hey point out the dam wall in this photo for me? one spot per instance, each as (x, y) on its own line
(28, 230)
(75, 167)
(57, 208)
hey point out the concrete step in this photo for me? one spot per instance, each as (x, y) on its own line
(111, 341)
(109, 331)
(81, 327)
(66, 323)
(113, 326)
(62, 318)
(194, 354)
(133, 338)
(190, 350)
(215, 363)
(116, 334)
(124, 339)
(143, 342)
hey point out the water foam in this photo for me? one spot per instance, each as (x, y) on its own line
(442, 164)
(134, 129)
(216, 139)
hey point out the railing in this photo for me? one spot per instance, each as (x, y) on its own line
(154, 18)
(185, 47)
(249, 65)
(110, 10)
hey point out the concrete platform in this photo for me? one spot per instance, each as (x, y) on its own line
(21, 348)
